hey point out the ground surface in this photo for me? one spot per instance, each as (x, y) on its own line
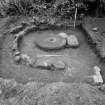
(64, 87)
(96, 38)
(59, 93)
(80, 60)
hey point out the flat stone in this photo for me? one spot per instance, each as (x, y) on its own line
(23, 59)
(16, 53)
(72, 41)
(63, 35)
(95, 29)
(59, 65)
(50, 63)
(97, 75)
(41, 63)
(50, 42)
(17, 59)
(26, 60)
(96, 78)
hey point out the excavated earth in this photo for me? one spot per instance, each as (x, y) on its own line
(25, 85)
(80, 60)
(94, 29)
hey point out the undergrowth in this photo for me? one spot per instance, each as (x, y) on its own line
(18, 7)
(64, 8)
(36, 7)
(46, 10)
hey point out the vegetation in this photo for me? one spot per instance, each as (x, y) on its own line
(46, 7)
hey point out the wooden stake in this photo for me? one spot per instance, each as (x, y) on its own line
(75, 17)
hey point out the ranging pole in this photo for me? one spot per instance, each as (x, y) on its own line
(75, 17)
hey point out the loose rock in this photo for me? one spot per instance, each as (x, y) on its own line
(96, 78)
(41, 63)
(16, 29)
(63, 35)
(16, 53)
(97, 75)
(51, 63)
(58, 65)
(72, 41)
(26, 60)
(102, 88)
(17, 59)
(95, 29)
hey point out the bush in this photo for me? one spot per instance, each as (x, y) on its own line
(29, 7)
(17, 7)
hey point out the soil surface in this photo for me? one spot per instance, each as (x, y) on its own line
(81, 60)
(59, 93)
(46, 87)
(96, 32)
(96, 38)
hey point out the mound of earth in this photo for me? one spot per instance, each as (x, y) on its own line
(59, 93)
(95, 29)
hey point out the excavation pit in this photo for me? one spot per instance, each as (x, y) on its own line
(79, 62)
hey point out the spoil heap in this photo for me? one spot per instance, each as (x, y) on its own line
(95, 29)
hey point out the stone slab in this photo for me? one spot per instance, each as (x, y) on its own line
(50, 42)
(72, 41)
